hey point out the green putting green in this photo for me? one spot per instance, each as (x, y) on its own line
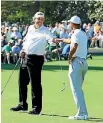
(57, 105)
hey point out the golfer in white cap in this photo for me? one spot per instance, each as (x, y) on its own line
(78, 67)
(32, 55)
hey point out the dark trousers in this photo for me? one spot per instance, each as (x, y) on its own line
(30, 70)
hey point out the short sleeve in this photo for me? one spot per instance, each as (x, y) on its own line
(75, 39)
(49, 35)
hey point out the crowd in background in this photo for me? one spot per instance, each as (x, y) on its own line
(13, 35)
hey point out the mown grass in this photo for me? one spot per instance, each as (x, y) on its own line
(57, 105)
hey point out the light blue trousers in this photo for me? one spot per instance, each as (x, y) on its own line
(77, 71)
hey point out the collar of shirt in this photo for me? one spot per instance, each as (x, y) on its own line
(36, 29)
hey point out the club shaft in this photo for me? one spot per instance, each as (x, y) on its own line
(60, 68)
(10, 77)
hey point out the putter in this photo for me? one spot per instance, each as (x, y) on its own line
(10, 76)
(63, 88)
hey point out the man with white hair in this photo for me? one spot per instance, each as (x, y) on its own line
(32, 55)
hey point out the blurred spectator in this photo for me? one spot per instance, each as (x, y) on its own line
(97, 28)
(89, 32)
(15, 34)
(63, 35)
(50, 27)
(8, 34)
(15, 52)
(3, 40)
(7, 52)
(90, 29)
(68, 27)
(25, 30)
(20, 43)
(56, 30)
(84, 28)
(3, 29)
(20, 29)
(100, 38)
(64, 24)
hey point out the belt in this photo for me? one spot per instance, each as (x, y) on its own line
(78, 60)
(34, 55)
(78, 57)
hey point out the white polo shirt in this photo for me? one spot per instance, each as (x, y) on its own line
(80, 38)
(36, 40)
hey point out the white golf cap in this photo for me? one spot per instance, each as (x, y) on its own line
(63, 27)
(7, 28)
(63, 21)
(68, 20)
(16, 44)
(75, 20)
(10, 41)
(14, 28)
(97, 22)
(38, 14)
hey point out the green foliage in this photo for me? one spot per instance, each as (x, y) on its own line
(95, 11)
(55, 11)
(56, 103)
(13, 11)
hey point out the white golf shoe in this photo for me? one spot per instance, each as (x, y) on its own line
(82, 117)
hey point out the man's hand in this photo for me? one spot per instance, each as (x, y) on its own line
(67, 41)
(57, 40)
(70, 59)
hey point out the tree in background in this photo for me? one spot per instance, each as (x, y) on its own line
(36, 6)
(17, 11)
(95, 11)
(55, 11)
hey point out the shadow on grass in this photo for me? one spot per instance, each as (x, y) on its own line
(95, 119)
(42, 114)
(49, 67)
(45, 67)
(95, 68)
(54, 115)
(55, 67)
(92, 119)
(89, 119)
(9, 67)
(66, 67)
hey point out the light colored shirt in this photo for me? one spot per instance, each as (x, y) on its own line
(80, 38)
(16, 34)
(36, 40)
(63, 34)
(100, 37)
(7, 48)
(16, 49)
(56, 31)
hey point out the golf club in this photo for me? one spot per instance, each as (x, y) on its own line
(10, 76)
(63, 88)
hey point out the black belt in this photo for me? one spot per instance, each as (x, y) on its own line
(78, 57)
(34, 55)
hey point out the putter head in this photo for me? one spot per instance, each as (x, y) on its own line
(1, 92)
(63, 87)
